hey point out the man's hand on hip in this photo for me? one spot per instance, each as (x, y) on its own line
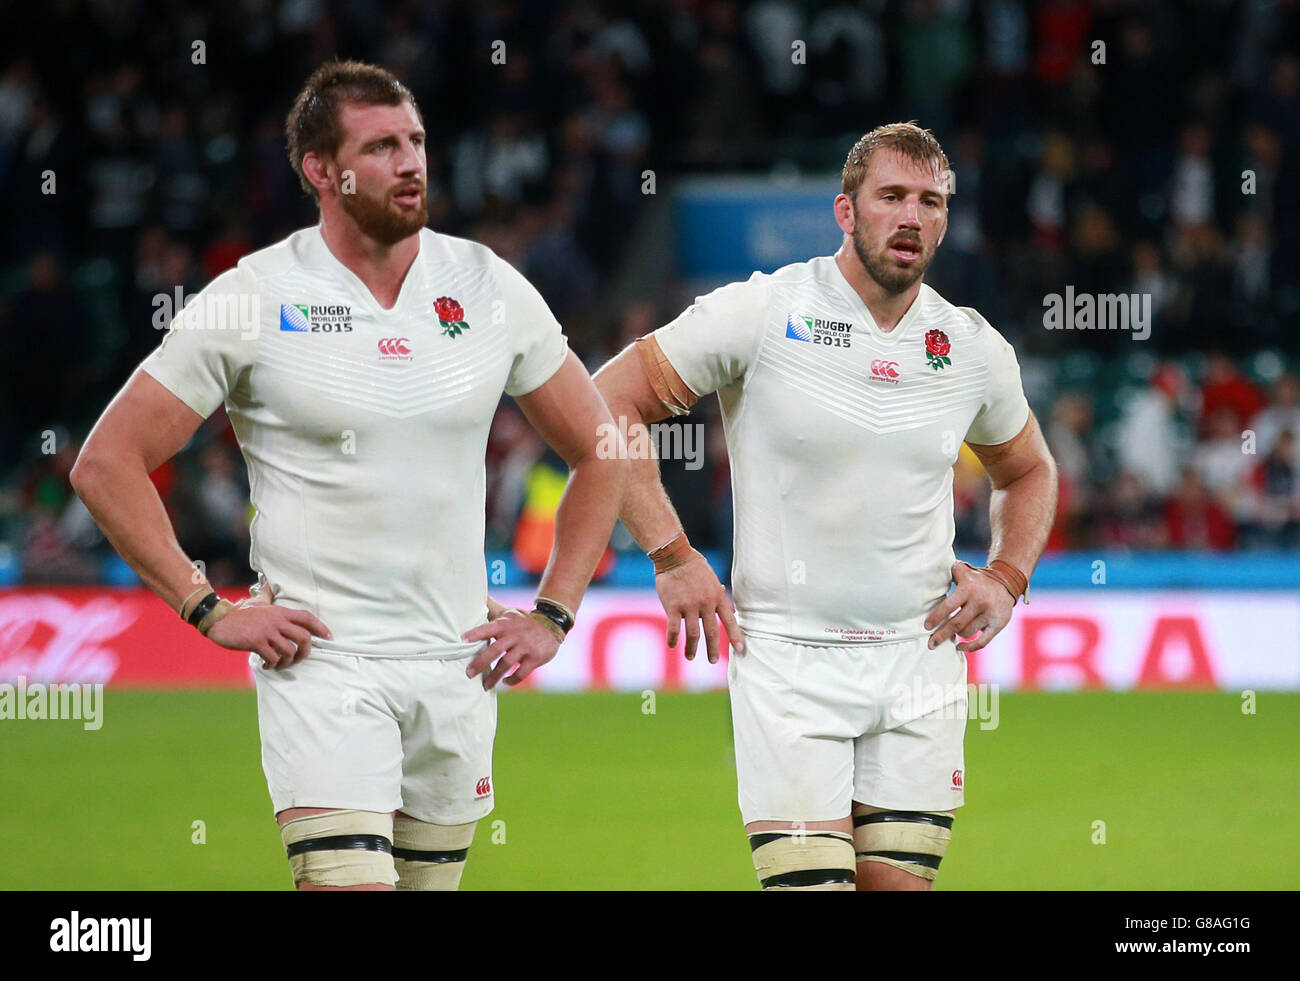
(280, 635)
(980, 605)
(517, 639)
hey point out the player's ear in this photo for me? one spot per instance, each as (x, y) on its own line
(316, 168)
(844, 213)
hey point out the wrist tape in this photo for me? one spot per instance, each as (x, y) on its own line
(676, 553)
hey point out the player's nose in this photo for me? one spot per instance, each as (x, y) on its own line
(409, 161)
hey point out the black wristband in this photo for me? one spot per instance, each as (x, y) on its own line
(555, 613)
(203, 608)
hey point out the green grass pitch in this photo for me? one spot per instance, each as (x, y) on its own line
(593, 793)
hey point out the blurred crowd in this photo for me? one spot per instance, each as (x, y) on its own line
(1208, 465)
(1115, 146)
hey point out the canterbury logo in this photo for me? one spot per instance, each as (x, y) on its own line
(956, 780)
(884, 370)
(394, 347)
(483, 787)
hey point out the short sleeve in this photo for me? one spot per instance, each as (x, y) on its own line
(715, 340)
(210, 343)
(1004, 410)
(537, 343)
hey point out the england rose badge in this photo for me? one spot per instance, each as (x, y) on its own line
(451, 315)
(937, 347)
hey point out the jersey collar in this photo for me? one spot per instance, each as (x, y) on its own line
(359, 287)
(851, 295)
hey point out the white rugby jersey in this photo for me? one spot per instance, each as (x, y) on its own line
(842, 439)
(365, 429)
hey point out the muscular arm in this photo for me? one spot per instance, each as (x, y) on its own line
(1021, 511)
(143, 427)
(1023, 504)
(636, 384)
(633, 402)
(568, 413)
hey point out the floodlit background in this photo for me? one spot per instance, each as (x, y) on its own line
(627, 157)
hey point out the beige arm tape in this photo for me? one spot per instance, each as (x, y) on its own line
(341, 866)
(676, 553)
(901, 838)
(664, 379)
(430, 856)
(548, 623)
(216, 613)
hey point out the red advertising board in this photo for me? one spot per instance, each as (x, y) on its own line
(1064, 641)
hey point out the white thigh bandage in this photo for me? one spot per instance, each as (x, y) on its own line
(914, 841)
(792, 859)
(430, 856)
(341, 848)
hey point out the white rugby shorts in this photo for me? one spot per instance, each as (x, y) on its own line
(817, 728)
(377, 734)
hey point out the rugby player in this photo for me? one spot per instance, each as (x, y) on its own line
(361, 361)
(847, 386)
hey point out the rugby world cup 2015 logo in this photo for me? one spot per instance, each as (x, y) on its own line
(319, 318)
(295, 317)
(799, 328)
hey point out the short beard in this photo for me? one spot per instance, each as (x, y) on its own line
(890, 278)
(378, 220)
